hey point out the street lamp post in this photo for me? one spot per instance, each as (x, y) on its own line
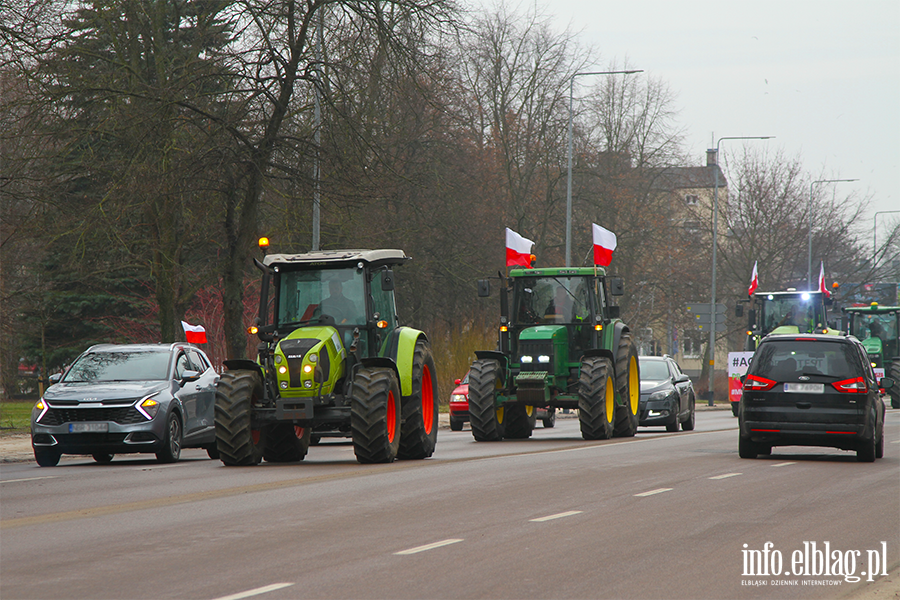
(874, 237)
(569, 178)
(809, 241)
(712, 302)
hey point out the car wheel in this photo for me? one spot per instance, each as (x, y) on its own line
(102, 458)
(673, 426)
(867, 451)
(688, 424)
(550, 421)
(746, 448)
(456, 424)
(47, 457)
(171, 450)
(765, 450)
(879, 447)
(734, 408)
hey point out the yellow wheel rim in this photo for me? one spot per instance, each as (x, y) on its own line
(529, 410)
(610, 399)
(634, 385)
(500, 415)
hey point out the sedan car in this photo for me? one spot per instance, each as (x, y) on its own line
(117, 399)
(667, 394)
(812, 390)
(459, 408)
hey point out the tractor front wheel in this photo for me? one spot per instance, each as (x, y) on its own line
(596, 398)
(237, 443)
(375, 415)
(418, 434)
(520, 421)
(286, 442)
(485, 417)
(628, 384)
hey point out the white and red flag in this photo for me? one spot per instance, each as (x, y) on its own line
(195, 334)
(822, 287)
(604, 244)
(518, 249)
(754, 280)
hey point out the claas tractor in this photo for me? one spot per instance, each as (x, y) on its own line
(332, 361)
(878, 328)
(561, 345)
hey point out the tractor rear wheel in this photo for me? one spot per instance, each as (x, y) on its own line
(236, 393)
(375, 415)
(628, 384)
(286, 442)
(596, 398)
(418, 434)
(486, 418)
(520, 420)
(894, 392)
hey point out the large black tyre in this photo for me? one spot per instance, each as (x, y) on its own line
(628, 385)
(46, 457)
(688, 424)
(375, 415)
(747, 448)
(236, 392)
(867, 450)
(286, 442)
(550, 421)
(486, 419)
(418, 433)
(171, 448)
(519, 421)
(456, 423)
(894, 392)
(596, 398)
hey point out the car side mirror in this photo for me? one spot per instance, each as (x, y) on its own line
(189, 375)
(616, 286)
(457, 381)
(387, 281)
(682, 378)
(886, 383)
(484, 288)
(55, 377)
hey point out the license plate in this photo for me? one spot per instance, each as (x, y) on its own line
(88, 427)
(804, 388)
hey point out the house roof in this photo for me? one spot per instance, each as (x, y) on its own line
(673, 178)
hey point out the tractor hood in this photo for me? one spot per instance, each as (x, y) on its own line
(543, 332)
(872, 345)
(308, 357)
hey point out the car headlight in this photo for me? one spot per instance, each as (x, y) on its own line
(148, 407)
(660, 395)
(457, 398)
(527, 359)
(39, 410)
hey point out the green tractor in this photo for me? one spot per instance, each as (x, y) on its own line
(332, 361)
(789, 311)
(561, 346)
(878, 328)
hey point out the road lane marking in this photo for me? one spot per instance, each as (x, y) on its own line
(652, 492)
(427, 547)
(896, 442)
(556, 516)
(784, 464)
(256, 592)
(726, 475)
(30, 479)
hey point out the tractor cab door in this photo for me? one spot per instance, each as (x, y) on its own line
(383, 307)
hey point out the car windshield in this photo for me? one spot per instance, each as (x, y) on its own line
(119, 366)
(786, 360)
(551, 300)
(306, 295)
(654, 370)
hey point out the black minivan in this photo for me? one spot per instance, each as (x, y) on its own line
(812, 390)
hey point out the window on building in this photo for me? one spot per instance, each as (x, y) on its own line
(693, 340)
(692, 226)
(691, 200)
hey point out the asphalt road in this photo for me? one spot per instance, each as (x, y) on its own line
(660, 515)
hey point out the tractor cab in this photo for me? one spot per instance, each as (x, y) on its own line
(790, 311)
(878, 328)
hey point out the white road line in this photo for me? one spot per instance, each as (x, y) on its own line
(896, 442)
(726, 475)
(261, 590)
(556, 516)
(652, 492)
(30, 479)
(784, 464)
(427, 547)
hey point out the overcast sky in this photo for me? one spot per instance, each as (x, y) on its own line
(822, 76)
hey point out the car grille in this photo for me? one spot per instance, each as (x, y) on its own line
(123, 415)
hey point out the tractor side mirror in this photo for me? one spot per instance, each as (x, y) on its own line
(616, 286)
(484, 288)
(613, 312)
(739, 310)
(387, 281)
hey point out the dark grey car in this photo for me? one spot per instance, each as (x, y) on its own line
(667, 394)
(118, 399)
(811, 390)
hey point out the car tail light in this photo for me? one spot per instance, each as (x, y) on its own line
(857, 385)
(754, 383)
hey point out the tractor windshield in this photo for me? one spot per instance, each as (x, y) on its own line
(541, 300)
(882, 325)
(304, 296)
(805, 311)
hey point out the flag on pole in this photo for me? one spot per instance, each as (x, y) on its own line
(604, 244)
(754, 280)
(822, 287)
(518, 249)
(195, 334)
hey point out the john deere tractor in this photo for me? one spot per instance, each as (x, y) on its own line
(561, 345)
(332, 361)
(878, 328)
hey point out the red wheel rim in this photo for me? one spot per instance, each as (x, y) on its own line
(391, 417)
(254, 435)
(427, 400)
(298, 431)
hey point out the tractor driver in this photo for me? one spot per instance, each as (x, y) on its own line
(561, 304)
(337, 305)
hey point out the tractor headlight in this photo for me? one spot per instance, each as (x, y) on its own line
(307, 369)
(543, 358)
(282, 369)
(527, 359)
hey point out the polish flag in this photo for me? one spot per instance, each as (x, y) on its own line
(754, 280)
(518, 249)
(822, 287)
(195, 334)
(604, 244)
